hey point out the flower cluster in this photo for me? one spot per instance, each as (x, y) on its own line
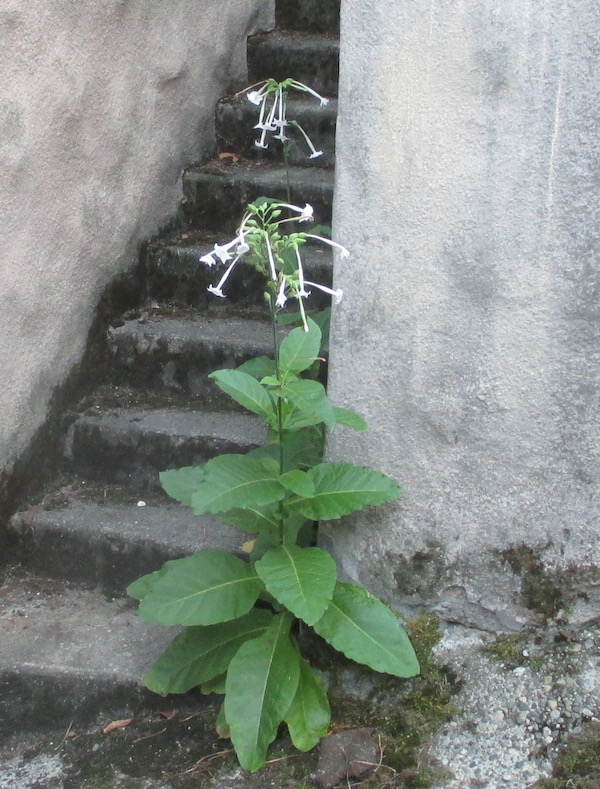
(271, 97)
(259, 236)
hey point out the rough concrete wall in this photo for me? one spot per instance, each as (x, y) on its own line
(469, 335)
(101, 106)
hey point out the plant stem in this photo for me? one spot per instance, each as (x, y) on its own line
(273, 311)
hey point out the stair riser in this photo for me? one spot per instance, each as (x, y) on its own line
(319, 16)
(174, 274)
(106, 562)
(175, 366)
(217, 202)
(138, 458)
(31, 701)
(315, 62)
(235, 122)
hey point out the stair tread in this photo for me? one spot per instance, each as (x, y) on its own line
(50, 628)
(176, 334)
(269, 175)
(179, 422)
(171, 526)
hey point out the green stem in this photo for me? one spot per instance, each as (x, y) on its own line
(273, 311)
(286, 161)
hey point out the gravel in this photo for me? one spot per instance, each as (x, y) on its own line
(516, 718)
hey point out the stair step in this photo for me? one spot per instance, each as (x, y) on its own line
(132, 446)
(177, 354)
(310, 58)
(216, 194)
(66, 654)
(109, 544)
(236, 118)
(319, 16)
(173, 272)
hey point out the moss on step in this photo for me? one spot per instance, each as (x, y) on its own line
(540, 591)
(578, 765)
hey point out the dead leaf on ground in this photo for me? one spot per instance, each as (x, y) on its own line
(114, 725)
(225, 156)
(168, 715)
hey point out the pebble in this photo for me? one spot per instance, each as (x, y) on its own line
(516, 712)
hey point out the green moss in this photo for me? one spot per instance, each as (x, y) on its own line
(578, 766)
(540, 592)
(404, 712)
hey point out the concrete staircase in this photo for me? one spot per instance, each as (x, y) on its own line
(71, 645)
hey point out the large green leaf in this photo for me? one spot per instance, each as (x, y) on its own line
(310, 398)
(298, 482)
(258, 368)
(344, 416)
(180, 483)
(302, 579)
(341, 488)
(309, 714)
(260, 520)
(301, 449)
(200, 654)
(246, 391)
(299, 349)
(142, 586)
(367, 631)
(232, 481)
(203, 589)
(261, 684)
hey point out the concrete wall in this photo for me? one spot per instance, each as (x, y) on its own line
(468, 171)
(101, 106)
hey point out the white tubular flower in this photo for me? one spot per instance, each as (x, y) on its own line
(313, 151)
(281, 297)
(261, 143)
(343, 251)
(271, 259)
(208, 259)
(335, 294)
(306, 214)
(302, 292)
(217, 290)
(301, 86)
(255, 96)
(302, 312)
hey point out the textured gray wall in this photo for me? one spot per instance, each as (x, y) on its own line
(101, 106)
(469, 335)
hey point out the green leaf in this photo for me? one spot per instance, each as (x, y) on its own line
(199, 654)
(233, 481)
(311, 399)
(202, 589)
(298, 482)
(246, 391)
(367, 631)
(261, 684)
(301, 579)
(341, 488)
(303, 448)
(180, 483)
(216, 685)
(258, 520)
(309, 714)
(299, 349)
(258, 368)
(344, 416)
(142, 586)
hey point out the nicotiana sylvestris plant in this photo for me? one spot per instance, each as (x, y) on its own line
(242, 617)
